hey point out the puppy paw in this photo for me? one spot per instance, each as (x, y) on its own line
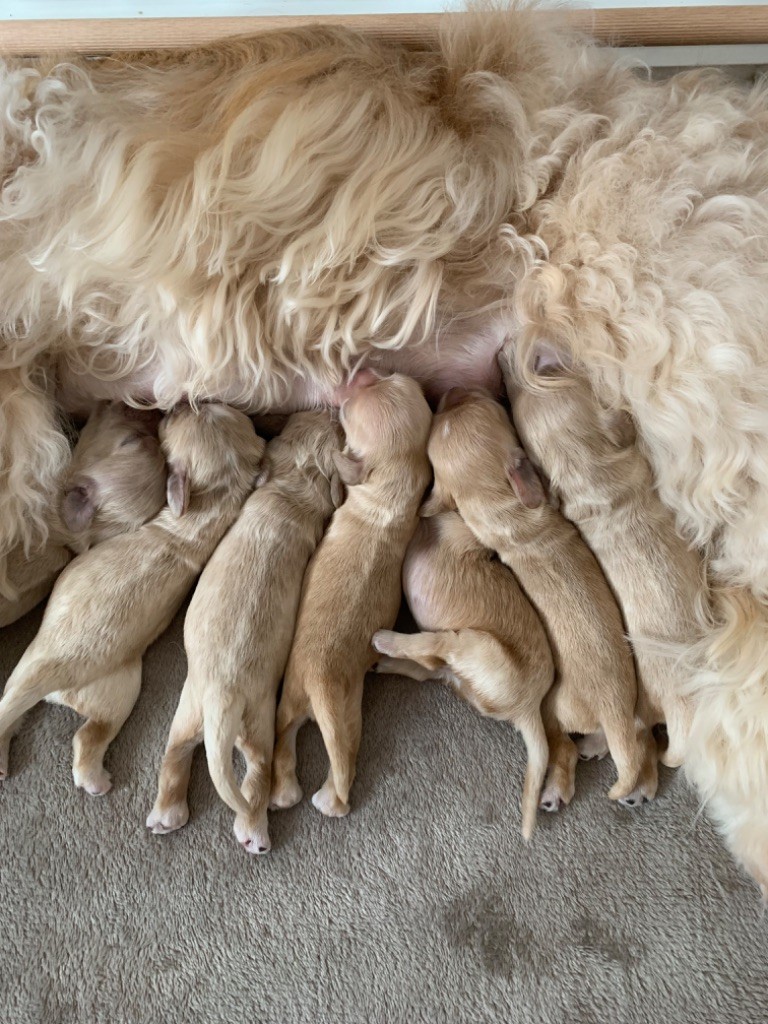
(592, 746)
(555, 796)
(385, 642)
(163, 820)
(253, 836)
(285, 793)
(96, 781)
(328, 803)
(3, 761)
(640, 795)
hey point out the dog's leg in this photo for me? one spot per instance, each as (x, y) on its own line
(256, 742)
(30, 682)
(402, 667)
(340, 718)
(679, 718)
(648, 779)
(627, 745)
(106, 704)
(171, 810)
(293, 711)
(560, 783)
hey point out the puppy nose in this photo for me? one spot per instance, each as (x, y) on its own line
(452, 398)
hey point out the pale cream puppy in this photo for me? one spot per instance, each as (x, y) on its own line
(605, 486)
(352, 587)
(479, 633)
(239, 627)
(481, 469)
(114, 483)
(112, 601)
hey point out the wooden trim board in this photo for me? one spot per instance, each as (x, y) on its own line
(658, 26)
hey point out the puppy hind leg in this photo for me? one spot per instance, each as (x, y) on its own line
(340, 719)
(256, 743)
(171, 810)
(292, 712)
(560, 782)
(679, 719)
(402, 667)
(648, 777)
(106, 704)
(628, 748)
(535, 737)
(32, 680)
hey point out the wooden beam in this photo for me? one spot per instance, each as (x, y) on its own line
(656, 26)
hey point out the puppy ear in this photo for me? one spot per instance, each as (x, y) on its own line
(337, 491)
(265, 472)
(525, 481)
(178, 492)
(351, 468)
(548, 360)
(78, 506)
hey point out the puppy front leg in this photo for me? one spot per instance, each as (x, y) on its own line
(339, 715)
(256, 742)
(106, 704)
(171, 810)
(648, 779)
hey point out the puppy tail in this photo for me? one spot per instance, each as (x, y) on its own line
(221, 724)
(538, 758)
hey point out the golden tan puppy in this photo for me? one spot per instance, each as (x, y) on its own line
(605, 486)
(480, 634)
(352, 587)
(115, 483)
(481, 469)
(239, 628)
(112, 601)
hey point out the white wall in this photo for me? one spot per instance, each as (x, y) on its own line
(35, 9)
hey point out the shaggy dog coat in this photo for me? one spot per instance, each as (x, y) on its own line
(248, 219)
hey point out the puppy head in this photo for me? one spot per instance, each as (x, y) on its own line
(306, 447)
(474, 450)
(557, 410)
(117, 476)
(213, 446)
(383, 418)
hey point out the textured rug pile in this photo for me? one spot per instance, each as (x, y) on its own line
(424, 905)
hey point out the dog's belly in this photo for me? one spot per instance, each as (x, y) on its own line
(453, 358)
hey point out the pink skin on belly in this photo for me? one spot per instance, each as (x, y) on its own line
(454, 360)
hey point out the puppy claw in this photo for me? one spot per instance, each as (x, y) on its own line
(634, 799)
(161, 821)
(552, 804)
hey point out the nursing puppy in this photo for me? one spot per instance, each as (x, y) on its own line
(112, 601)
(115, 482)
(352, 587)
(606, 488)
(481, 470)
(479, 633)
(239, 627)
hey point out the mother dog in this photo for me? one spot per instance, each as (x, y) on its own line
(247, 221)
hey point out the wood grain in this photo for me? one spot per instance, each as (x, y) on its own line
(660, 26)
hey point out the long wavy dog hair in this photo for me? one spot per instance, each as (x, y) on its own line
(246, 215)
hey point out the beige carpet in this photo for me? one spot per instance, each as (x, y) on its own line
(422, 906)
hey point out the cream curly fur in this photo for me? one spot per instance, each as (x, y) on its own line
(248, 220)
